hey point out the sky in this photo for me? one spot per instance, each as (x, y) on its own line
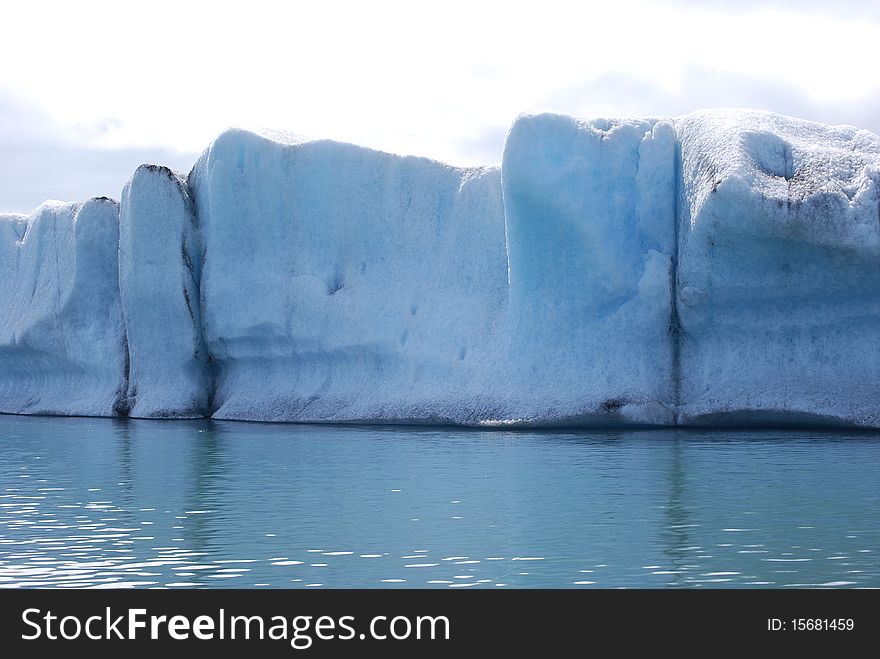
(89, 89)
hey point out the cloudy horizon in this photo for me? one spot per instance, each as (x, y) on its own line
(99, 89)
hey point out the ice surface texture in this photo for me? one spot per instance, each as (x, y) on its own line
(722, 267)
(159, 267)
(343, 284)
(62, 338)
(778, 270)
(590, 210)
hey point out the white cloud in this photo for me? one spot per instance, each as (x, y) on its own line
(431, 79)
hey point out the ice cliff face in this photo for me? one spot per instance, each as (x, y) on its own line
(589, 210)
(62, 339)
(778, 270)
(159, 268)
(721, 267)
(340, 283)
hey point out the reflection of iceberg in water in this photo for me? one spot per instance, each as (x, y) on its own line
(123, 440)
(677, 521)
(99, 500)
(204, 498)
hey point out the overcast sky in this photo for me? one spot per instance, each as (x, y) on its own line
(89, 90)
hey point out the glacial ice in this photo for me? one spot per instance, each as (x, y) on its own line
(159, 263)
(590, 210)
(778, 271)
(340, 283)
(62, 339)
(717, 268)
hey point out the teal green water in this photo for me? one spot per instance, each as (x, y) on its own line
(112, 503)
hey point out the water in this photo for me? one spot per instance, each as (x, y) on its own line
(112, 503)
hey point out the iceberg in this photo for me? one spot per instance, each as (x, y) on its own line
(62, 338)
(344, 284)
(720, 267)
(778, 271)
(590, 211)
(159, 268)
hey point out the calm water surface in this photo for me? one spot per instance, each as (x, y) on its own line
(113, 503)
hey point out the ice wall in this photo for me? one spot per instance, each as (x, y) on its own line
(342, 284)
(62, 340)
(719, 268)
(589, 209)
(778, 270)
(159, 268)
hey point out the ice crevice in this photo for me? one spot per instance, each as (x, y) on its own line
(721, 268)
